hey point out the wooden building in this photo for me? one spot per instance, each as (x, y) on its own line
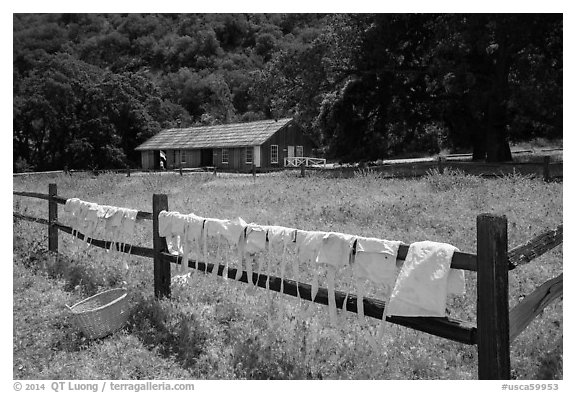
(237, 147)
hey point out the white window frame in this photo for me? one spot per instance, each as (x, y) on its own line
(250, 149)
(225, 155)
(300, 149)
(272, 152)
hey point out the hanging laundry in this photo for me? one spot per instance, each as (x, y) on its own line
(335, 252)
(88, 220)
(255, 238)
(456, 282)
(171, 226)
(255, 243)
(126, 232)
(422, 284)
(281, 237)
(72, 206)
(308, 245)
(375, 261)
(230, 230)
(194, 227)
(116, 224)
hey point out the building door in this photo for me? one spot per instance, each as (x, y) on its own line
(290, 151)
(206, 157)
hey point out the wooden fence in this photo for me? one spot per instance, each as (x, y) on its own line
(546, 169)
(496, 326)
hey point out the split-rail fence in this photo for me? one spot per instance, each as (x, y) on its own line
(496, 326)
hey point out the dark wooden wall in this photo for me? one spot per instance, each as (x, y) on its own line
(289, 135)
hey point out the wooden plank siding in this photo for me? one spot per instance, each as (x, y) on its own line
(236, 159)
(289, 135)
(174, 158)
(147, 159)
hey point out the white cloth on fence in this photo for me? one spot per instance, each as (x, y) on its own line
(175, 235)
(230, 230)
(308, 245)
(84, 217)
(456, 282)
(334, 253)
(118, 223)
(194, 228)
(281, 237)
(335, 250)
(375, 260)
(255, 238)
(255, 242)
(421, 288)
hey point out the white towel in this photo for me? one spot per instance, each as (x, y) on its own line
(422, 285)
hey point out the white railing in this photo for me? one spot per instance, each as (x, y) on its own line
(307, 161)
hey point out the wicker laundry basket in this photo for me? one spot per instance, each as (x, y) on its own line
(102, 314)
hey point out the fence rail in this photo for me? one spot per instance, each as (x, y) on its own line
(546, 169)
(496, 327)
(297, 162)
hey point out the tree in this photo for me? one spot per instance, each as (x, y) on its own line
(415, 72)
(484, 64)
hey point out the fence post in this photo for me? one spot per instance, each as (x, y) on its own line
(161, 267)
(546, 169)
(52, 218)
(303, 169)
(492, 293)
(440, 164)
(253, 171)
(215, 173)
(128, 173)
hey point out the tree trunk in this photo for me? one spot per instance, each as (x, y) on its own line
(497, 147)
(479, 143)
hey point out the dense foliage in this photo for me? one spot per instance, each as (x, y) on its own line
(88, 88)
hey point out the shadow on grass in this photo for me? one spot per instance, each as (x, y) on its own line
(174, 333)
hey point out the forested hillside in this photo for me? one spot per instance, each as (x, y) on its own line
(88, 88)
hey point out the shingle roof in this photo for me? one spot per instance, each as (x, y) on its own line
(227, 135)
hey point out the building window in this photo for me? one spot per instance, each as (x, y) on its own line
(249, 155)
(183, 156)
(299, 151)
(224, 156)
(274, 154)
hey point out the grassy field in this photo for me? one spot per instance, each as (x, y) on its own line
(212, 329)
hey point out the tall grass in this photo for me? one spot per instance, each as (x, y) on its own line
(217, 329)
